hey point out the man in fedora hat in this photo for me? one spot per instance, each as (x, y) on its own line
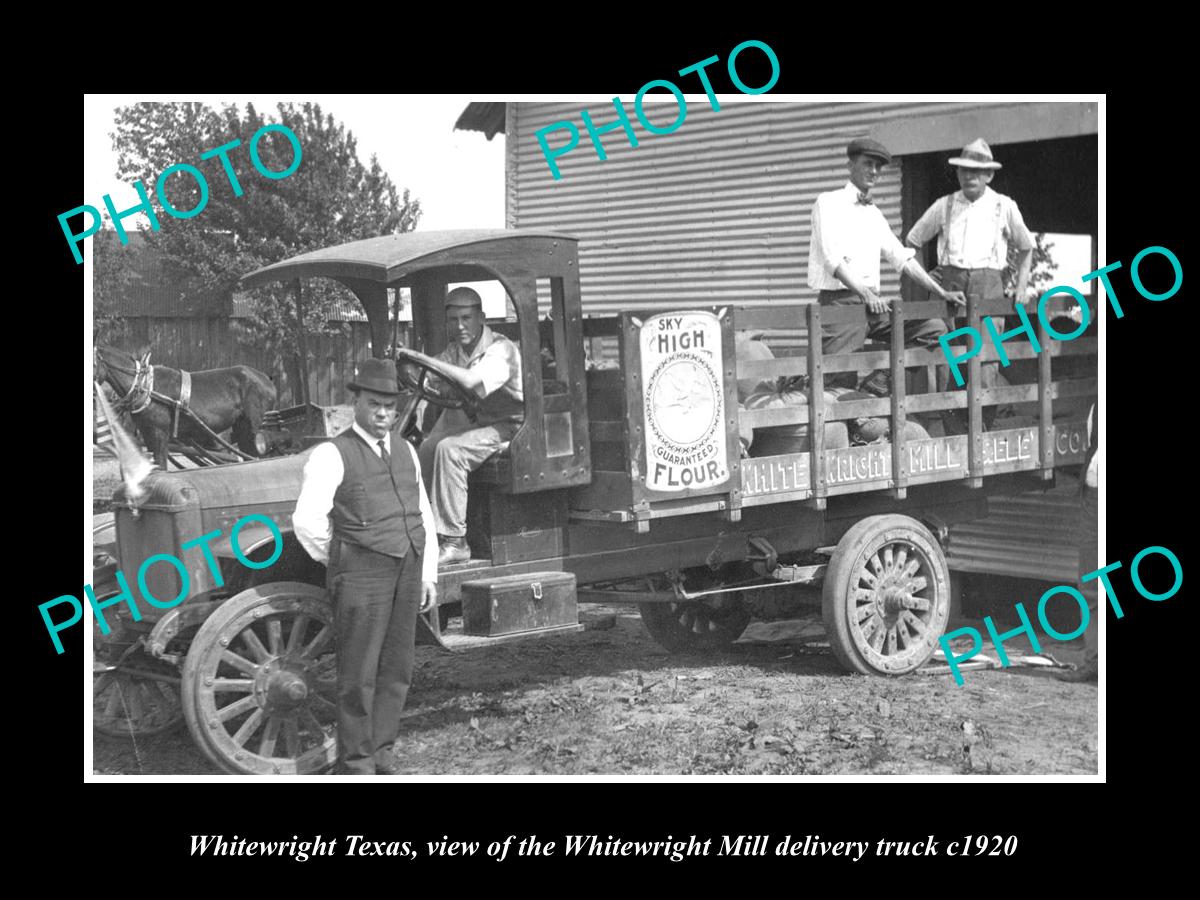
(362, 511)
(486, 365)
(975, 227)
(849, 235)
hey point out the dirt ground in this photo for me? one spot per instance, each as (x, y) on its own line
(610, 701)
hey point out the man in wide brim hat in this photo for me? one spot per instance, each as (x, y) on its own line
(364, 513)
(976, 155)
(976, 228)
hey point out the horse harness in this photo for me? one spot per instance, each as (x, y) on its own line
(141, 394)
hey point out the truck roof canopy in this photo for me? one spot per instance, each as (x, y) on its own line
(387, 259)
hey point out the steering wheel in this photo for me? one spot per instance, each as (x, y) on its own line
(413, 371)
(444, 393)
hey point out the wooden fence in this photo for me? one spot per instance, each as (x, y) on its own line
(212, 343)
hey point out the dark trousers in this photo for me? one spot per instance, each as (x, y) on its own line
(375, 602)
(982, 285)
(847, 337)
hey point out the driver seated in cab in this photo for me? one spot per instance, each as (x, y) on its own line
(487, 367)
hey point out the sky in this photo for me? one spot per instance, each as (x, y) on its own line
(457, 175)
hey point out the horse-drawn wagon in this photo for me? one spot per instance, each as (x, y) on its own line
(640, 480)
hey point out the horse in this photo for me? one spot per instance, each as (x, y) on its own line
(236, 397)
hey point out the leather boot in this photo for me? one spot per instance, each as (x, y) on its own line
(453, 550)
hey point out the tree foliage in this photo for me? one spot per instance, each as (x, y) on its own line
(330, 199)
(1042, 266)
(112, 276)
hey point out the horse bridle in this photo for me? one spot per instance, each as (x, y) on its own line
(138, 397)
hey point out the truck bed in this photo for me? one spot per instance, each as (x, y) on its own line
(1041, 424)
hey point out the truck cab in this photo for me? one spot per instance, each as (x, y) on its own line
(539, 272)
(551, 450)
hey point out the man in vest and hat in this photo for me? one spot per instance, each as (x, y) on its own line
(975, 228)
(363, 511)
(849, 236)
(486, 365)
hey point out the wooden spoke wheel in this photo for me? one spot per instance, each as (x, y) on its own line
(125, 705)
(708, 624)
(260, 681)
(886, 597)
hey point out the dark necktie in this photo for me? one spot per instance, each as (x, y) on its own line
(864, 200)
(387, 462)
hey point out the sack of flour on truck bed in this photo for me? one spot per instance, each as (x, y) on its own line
(754, 350)
(878, 430)
(773, 440)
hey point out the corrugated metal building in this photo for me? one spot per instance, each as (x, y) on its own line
(718, 212)
(1026, 536)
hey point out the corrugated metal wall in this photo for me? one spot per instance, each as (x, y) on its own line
(1029, 536)
(716, 212)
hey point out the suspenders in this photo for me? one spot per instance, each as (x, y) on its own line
(944, 256)
(998, 219)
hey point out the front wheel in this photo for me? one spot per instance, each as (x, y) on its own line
(886, 597)
(259, 683)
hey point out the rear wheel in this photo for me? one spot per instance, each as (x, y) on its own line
(708, 624)
(126, 705)
(886, 597)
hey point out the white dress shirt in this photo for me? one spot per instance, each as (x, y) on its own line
(846, 232)
(977, 234)
(497, 361)
(323, 475)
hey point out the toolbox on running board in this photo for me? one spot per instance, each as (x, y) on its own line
(534, 601)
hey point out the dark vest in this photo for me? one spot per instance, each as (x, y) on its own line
(375, 508)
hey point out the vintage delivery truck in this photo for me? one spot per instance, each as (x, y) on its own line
(637, 482)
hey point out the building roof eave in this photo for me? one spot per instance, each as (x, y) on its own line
(485, 117)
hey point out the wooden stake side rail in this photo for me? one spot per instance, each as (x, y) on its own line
(899, 473)
(816, 403)
(788, 477)
(815, 475)
(767, 369)
(752, 318)
(882, 406)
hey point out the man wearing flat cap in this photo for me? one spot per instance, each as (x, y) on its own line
(849, 235)
(975, 228)
(486, 365)
(363, 511)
